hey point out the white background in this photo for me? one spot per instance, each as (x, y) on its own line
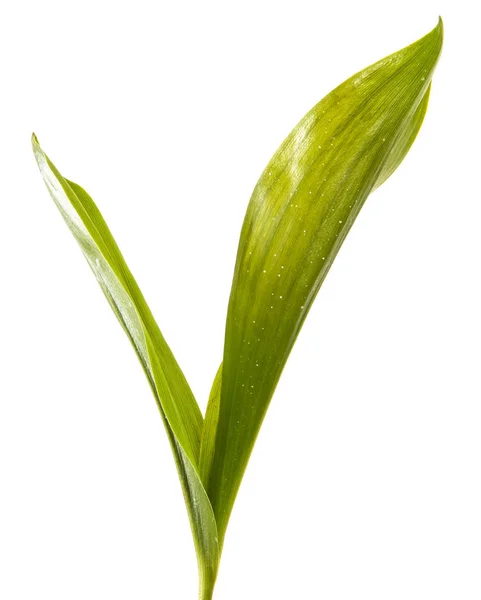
(365, 482)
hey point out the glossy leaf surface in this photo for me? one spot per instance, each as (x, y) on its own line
(178, 408)
(300, 212)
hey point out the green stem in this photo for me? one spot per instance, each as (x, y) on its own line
(206, 590)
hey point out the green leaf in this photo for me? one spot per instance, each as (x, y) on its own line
(300, 212)
(207, 442)
(178, 408)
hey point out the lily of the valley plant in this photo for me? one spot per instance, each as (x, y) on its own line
(299, 214)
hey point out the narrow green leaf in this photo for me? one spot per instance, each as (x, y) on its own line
(178, 408)
(207, 442)
(300, 212)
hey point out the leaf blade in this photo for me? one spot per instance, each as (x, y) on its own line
(207, 442)
(300, 212)
(179, 410)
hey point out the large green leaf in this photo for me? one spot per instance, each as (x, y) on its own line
(177, 405)
(300, 212)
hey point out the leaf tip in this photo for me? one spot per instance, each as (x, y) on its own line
(431, 46)
(439, 29)
(437, 34)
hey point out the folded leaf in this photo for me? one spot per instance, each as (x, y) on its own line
(300, 212)
(207, 442)
(178, 408)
